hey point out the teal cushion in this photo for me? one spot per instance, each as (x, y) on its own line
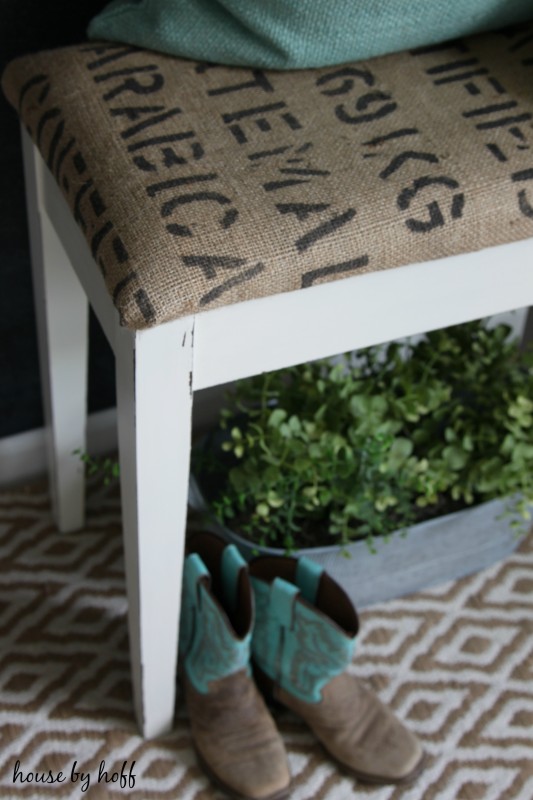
(288, 34)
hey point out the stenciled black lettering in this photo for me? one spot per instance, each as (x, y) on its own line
(495, 83)
(234, 116)
(118, 73)
(387, 106)
(150, 122)
(291, 121)
(452, 65)
(119, 249)
(79, 163)
(268, 153)
(136, 87)
(307, 171)
(210, 264)
(259, 81)
(231, 283)
(387, 137)
(28, 85)
(349, 74)
(232, 119)
(496, 151)
(62, 155)
(490, 109)
(523, 203)
(275, 186)
(52, 113)
(503, 122)
(302, 210)
(463, 76)
(313, 275)
(174, 183)
(472, 88)
(518, 134)
(99, 236)
(56, 138)
(522, 175)
(238, 133)
(97, 203)
(80, 194)
(146, 308)
(122, 283)
(133, 113)
(326, 228)
(164, 139)
(169, 158)
(521, 43)
(168, 208)
(43, 94)
(436, 217)
(401, 159)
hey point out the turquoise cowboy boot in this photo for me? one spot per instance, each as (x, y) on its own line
(234, 734)
(304, 639)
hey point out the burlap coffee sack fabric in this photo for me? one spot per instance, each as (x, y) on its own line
(199, 186)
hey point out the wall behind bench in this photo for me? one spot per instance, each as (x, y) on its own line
(28, 26)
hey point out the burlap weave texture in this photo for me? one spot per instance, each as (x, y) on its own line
(199, 186)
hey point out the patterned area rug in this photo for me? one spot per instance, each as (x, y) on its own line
(455, 662)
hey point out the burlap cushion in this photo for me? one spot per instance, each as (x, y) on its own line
(288, 34)
(199, 186)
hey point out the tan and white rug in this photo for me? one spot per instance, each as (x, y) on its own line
(455, 662)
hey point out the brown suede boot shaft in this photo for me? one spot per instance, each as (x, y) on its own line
(361, 733)
(236, 738)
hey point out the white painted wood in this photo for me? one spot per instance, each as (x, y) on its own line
(527, 333)
(274, 332)
(23, 455)
(158, 368)
(516, 320)
(76, 246)
(154, 399)
(62, 327)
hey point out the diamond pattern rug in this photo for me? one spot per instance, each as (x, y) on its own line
(455, 662)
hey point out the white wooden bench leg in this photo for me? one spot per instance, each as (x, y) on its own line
(154, 403)
(62, 328)
(527, 335)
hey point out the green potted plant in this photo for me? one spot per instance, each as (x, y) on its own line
(434, 437)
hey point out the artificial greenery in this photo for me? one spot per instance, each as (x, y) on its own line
(107, 468)
(323, 454)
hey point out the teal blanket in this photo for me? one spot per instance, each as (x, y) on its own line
(288, 34)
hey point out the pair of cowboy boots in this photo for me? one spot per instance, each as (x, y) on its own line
(300, 639)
